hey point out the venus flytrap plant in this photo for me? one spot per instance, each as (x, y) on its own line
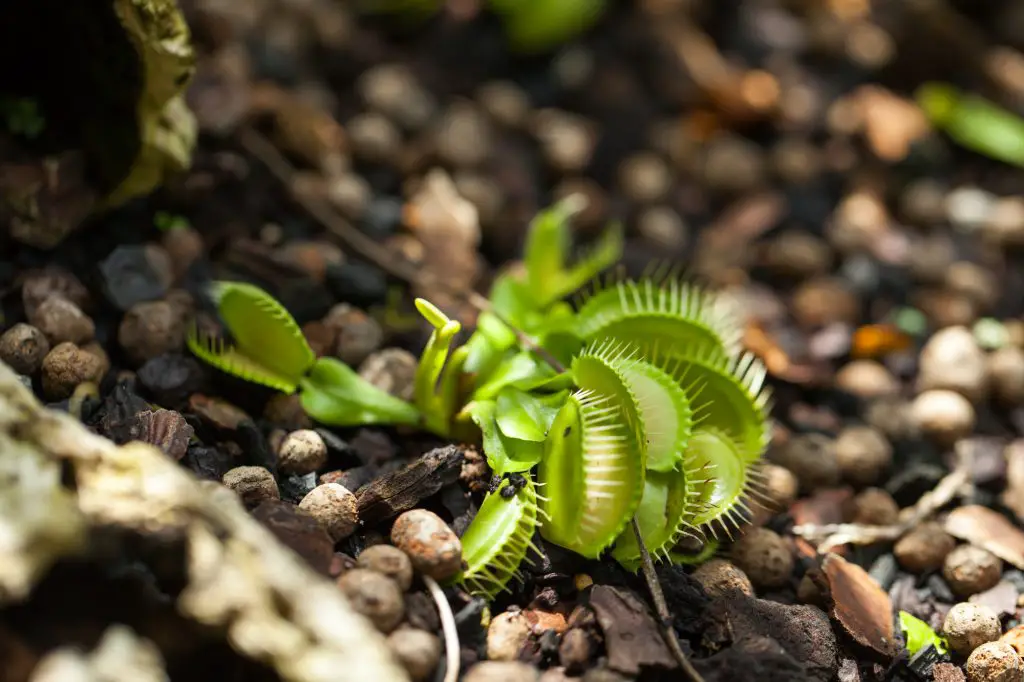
(635, 405)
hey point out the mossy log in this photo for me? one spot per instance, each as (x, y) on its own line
(77, 510)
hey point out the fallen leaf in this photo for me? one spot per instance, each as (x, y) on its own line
(859, 605)
(1002, 598)
(989, 530)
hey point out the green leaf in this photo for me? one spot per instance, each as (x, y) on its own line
(548, 276)
(918, 634)
(525, 416)
(505, 455)
(519, 367)
(268, 346)
(435, 403)
(336, 395)
(974, 122)
(534, 26)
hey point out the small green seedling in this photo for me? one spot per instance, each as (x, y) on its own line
(918, 634)
(637, 403)
(531, 25)
(23, 117)
(168, 222)
(974, 122)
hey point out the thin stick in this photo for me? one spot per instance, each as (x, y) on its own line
(661, 607)
(366, 248)
(830, 536)
(448, 627)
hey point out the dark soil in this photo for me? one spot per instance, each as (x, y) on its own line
(800, 206)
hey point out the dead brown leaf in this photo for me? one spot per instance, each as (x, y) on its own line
(989, 530)
(859, 605)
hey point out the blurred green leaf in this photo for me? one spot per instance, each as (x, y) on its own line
(974, 122)
(918, 634)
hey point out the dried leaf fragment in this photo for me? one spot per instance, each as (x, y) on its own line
(859, 605)
(989, 530)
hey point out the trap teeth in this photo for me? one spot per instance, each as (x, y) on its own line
(498, 540)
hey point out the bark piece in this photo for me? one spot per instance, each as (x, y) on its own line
(394, 493)
(298, 530)
(630, 632)
(989, 530)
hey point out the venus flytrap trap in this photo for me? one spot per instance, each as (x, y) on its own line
(636, 403)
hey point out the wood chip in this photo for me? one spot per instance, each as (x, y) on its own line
(989, 530)
(630, 631)
(299, 531)
(394, 493)
(859, 605)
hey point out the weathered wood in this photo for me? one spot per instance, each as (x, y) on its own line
(241, 580)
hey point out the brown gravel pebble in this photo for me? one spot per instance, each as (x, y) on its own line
(389, 561)
(356, 334)
(874, 507)
(952, 360)
(779, 485)
(302, 452)
(65, 367)
(506, 635)
(720, 578)
(418, 651)
(995, 662)
(765, 557)
(286, 411)
(967, 626)
(375, 596)
(501, 671)
(867, 379)
(432, 546)
(863, 454)
(52, 281)
(150, 329)
(969, 570)
(575, 650)
(252, 484)
(811, 457)
(392, 370)
(334, 507)
(947, 672)
(1006, 374)
(944, 416)
(23, 348)
(823, 301)
(61, 320)
(924, 549)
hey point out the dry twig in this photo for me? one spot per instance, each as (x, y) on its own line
(832, 535)
(661, 607)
